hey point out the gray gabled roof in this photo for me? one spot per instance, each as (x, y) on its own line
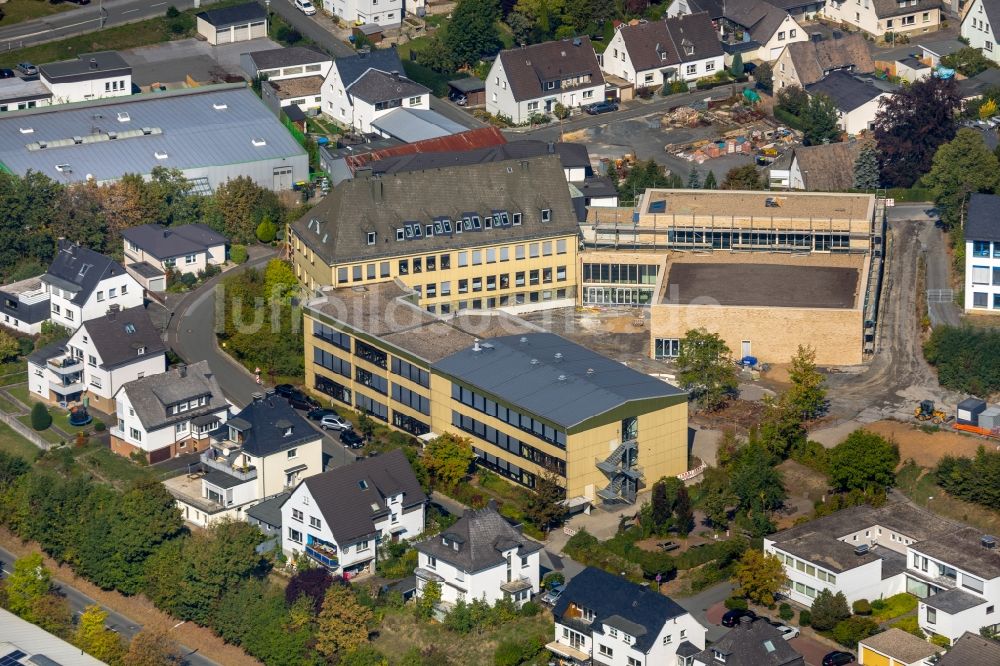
(352, 498)
(269, 511)
(530, 68)
(152, 396)
(167, 242)
(235, 15)
(477, 541)
(352, 67)
(846, 91)
(120, 336)
(79, 270)
(983, 221)
(972, 650)
(288, 57)
(51, 350)
(376, 86)
(752, 643)
(262, 434)
(524, 371)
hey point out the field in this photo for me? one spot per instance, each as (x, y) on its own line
(13, 443)
(16, 11)
(921, 486)
(927, 448)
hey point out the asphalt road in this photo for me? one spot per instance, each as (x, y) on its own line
(85, 19)
(309, 27)
(78, 602)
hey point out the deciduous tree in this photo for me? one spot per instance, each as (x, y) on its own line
(10, 348)
(447, 459)
(960, 167)
(238, 206)
(759, 576)
(151, 647)
(864, 461)
(93, 637)
(968, 61)
(430, 595)
(764, 76)
(472, 32)
(342, 624)
(545, 505)
(807, 395)
(309, 583)
(705, 368)
(744, 177)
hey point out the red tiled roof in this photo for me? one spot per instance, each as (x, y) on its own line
(483, 137)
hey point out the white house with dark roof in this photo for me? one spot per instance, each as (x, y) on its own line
(98, 359)
(17, 94)
(387, 13)
(168, 414)
(978, 27)
(532, 79)
(340, 518)
(604, 618)
(83, 284)
(651, 54)
(481, 556)
(857, 100)
(264, 450)
(752, 642)
(877, 17)
(290, 62)
(24, 305)
(982, 254)
(89, 76)
(152, 249)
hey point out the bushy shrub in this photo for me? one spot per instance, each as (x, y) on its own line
(515, 652)
(805, 618)
(736, 603)
(861, 607)
(40, 417)
(785, 612)
(941, 641)
(848, 632)
(99, 425)
(238, 254)
(530, 609)
(553, 578)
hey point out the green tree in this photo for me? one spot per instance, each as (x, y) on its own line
(266, 231)
(828, 609)
(428, 598)
(694, 179)
(447, 459)
(853, 629)
(472, 32)
(238, 254)
(12, 467)
(807, 395)
(710, 182)
(40, 417)
(736, 68)
(781, 430)
(794, 100)
(545, 506)
(960, 167)
(864, 461)
(29, 582)
(10, 348)
(683, 512)
(279, 280)
(968, 61)
(662, 511)
(521, 26)
(706, 370)
(151, 647)
(759, 576)
(764, 76)
(342, 624)
(744, 177)
(93, 637)
(239, 205)
(866, 173)
(641, 176)
(144, 517)
(755, 483)
(820, 118)
(559, 111)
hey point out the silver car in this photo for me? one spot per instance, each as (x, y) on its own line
(334, 422)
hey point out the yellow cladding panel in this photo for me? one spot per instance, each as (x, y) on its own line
(869, 657)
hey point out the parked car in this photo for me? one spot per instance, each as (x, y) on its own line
(27, 68)
(351, 439)
(6, 73)
(788, 633)
(552, 595)
(334, 422)
(285, 390)
(305, 6)
(601, 107)
(300, 400)
(319, 413)
(838, 658)
(732, 618)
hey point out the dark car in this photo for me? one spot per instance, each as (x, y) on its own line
(300, 400)
(732, 618)
(318, 413)
(7, 74)
(285, 390)
(351, 439)
(602, 107)
(838, 658)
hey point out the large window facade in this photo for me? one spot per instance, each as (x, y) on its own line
(508, 415)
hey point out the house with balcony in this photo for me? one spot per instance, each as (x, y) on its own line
(25, 305)
(481, 556)
(83, 284)
(602, 618)
(151, 250)
(339, 519)
(98, 359)
(264, 450)
(168, 414)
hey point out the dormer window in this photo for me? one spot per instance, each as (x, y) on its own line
(140, 351)
(363, 484)
(550, 85)
(546, 215)
(719, 656)
(400, 234)
(371, 237)
(689, 49)
(663, 55)
(288, 431)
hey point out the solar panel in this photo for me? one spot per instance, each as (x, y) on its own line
(13, 659)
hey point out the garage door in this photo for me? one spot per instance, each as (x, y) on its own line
(871, 658)
(223, 36)
(282, 178)
(159, 455)
(242, 33)
(258, 30)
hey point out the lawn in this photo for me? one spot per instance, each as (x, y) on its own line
(8, 406)
(112, 468)
(400, 632)
(20, 392)
(60, 419)
(14, 378)
(49, 435)
(921, 486)
(896, 605)
(16, 11)
(13, 443)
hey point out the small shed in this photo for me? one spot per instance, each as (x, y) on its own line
(969, 411)
(369, 31)
(990, 418)
(239, 23)
(912, 70)
(472, 88)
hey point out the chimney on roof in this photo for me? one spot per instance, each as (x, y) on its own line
(745, 621)
(257, 397)
(475, 345)
(552, 147)
(395, 74)
(113, 311)
(182, 371)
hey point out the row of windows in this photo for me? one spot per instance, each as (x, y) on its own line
(981, 299)
(729, 239)
(371, 407)
(332, 335)
(409, 424)
(411, 372)
(508, 443)
(982, 249)
(371, 354)
(504, 468)
(468, 222)
(617, 296)
(333, 389)
(411, 399)
(981, 275)
(331, 362)
(806, 568)
(371, 380)
(518, 298)
(621, 273)
(667, 348)
(511, 416)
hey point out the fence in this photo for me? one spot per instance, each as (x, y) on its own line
(691, 473)
(25, 431)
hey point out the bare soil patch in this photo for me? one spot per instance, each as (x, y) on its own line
(927, 448)
(740, 415)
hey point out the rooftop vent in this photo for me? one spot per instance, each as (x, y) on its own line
(562, 378)
(987, 541)
(27, 130)
(862, 549)
(112, 135)
(558, 356)
(475, 345)
(258, 142)
(43, 144)
(123, 117)
(93, 63)
(77, 140)
(534, 361)
(146, 131)
(160, 155)
(269, 392)
(590, 371)
(256, 396)
(220, 106)
(577, 41)
(64, 168)
(524, 339)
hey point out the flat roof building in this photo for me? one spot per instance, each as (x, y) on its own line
(212, 134)
(532, 402)
(25, 644)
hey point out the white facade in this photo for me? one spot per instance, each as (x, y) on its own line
(121, 290)
(486, 584)
(618, 62)
(861, 119)
(387, 13)
(500, 98)
(982, 276)
(117, 85)
(788, 32)
(861, 14)
(131, 430)
(363, 113)
(977, 29)
(254, 28)
(193, 262)
(306, 529)
(922, 568)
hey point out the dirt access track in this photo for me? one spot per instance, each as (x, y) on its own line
(927, 448)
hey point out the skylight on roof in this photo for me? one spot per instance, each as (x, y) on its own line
(129, 329)
(363, 484)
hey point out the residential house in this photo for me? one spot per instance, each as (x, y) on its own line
(869, 553)
(239, 23)
(895, 647)
(266, 515)
(98, 359)
(481, 556)
(264, 450)
(982, 254)
(367, 85)
(168, 414)
(532, 79)
(752, 642)
(291, 62)
(857, 100)
(82, 284)
(89, 76)
(604, 618)
(977, 27)
(388, 13)
(971, 649)
(655, 53)
(804, 63)
(878, 17)
(340, 518)
(17, 94)
(822, 168)
(151, 250)
(755, 29)
(25, 305)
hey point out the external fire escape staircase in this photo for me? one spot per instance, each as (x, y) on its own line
(622, 472)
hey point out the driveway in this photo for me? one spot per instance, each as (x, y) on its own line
(311, 27)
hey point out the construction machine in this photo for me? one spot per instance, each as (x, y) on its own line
(925, 411)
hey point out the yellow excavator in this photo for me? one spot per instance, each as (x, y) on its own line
(925, 411)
